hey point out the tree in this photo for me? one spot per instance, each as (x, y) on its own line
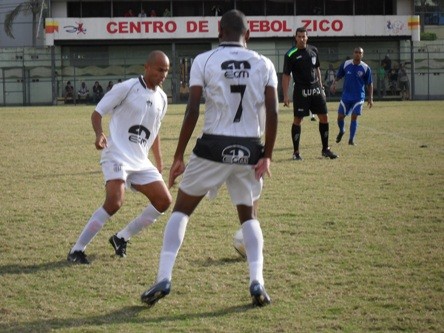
(33, 7)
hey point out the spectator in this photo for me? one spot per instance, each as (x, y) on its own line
(153, 13)
(386, 63)
(142, 13)
(183, 91)
(215, 10)
(166, 13)
(381, 81)
(129, 13)
(403, 82)
(329, 79)
(69, 92)
(83, 93)
(393, 80)
(110, 86)
(97, 92)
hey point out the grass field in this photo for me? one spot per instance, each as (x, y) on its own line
(351, 245)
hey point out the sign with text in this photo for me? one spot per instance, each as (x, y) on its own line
(123, 28)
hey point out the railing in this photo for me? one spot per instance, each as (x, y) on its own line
(26, 75)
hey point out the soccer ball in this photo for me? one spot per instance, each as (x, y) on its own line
(238, 243)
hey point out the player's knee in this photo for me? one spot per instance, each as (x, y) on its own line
(162, 203)
(112, 207)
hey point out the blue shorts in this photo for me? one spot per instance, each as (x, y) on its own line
(347, 108)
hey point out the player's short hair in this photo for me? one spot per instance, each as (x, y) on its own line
(300, 29)
(234, 21)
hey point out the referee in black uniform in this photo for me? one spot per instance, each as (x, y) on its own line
(302, 62)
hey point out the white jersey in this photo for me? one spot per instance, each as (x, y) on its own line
(233, 80)
(136, 114)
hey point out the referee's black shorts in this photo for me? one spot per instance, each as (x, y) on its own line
(308, 99)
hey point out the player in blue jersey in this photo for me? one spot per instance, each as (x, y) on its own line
(357, 75)
(302, 63)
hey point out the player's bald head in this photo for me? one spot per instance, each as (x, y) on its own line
(156, 57)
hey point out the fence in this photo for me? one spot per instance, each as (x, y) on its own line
(38, 76)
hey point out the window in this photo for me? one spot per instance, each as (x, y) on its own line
(310, 7)
(339, 7)
(279, 7)
(250, 7)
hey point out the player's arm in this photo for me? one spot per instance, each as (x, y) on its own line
(96, 121)
(285, 85)
(271, 121)
(188, 125)
(370, 95)
(157, 152)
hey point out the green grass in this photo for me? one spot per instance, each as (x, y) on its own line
(351, 245)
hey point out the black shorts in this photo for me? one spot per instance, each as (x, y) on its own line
(308, 99)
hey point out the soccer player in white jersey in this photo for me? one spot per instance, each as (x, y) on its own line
(357, 75)
(240, 90)
(137, 107)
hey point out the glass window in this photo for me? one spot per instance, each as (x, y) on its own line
(96, 9)
(279, 7)
(310, 7)
(188, 8)
(213, 8)
(376, 7)
(251, 7)
(339, 7)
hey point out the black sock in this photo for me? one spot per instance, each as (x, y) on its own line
(323, 130)
(295, 136)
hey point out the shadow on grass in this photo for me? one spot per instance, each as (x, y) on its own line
(30, 269)
(125, 315)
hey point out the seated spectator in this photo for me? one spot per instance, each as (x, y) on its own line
(110, 86)
(142, 13)
(153, 13)
(129, 13)
(69, 92)
(83, 93)
(97, 92)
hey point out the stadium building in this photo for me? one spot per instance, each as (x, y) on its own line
(88, 41)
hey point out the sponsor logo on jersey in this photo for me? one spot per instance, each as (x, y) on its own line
(236, 69)
(311, 92)
(139, 134)
(313, 60)
(236, 154)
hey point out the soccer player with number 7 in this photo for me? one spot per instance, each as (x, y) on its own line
(241, 104)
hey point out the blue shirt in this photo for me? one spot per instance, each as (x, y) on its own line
(356, 77)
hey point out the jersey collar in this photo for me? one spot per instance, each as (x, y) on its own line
(233, 44)
(142, 81)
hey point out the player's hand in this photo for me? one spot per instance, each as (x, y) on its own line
(333, 89)
(370, 103)
(176, 170)
(286, 102)
(101, 141)
(262, 167)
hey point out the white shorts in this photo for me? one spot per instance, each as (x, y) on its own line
(202, 175)
(112, 170)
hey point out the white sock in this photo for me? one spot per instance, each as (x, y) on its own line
(148, 217)
(94, 225)
(254, 244)
(172, 240)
